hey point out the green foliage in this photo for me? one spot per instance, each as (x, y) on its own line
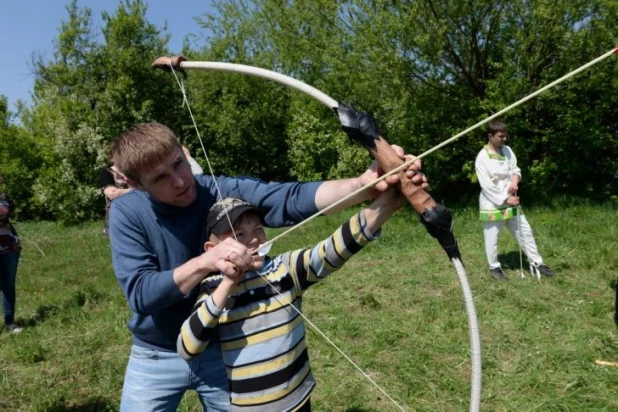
(67, 188)
(131, 91)
(241, 121)
(19, 162)
(425, 70)
(94, 87)
(428, 69)
(316, 154)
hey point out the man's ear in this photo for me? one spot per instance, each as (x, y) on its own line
(134, 184)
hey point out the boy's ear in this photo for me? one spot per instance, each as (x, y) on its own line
(208, 245)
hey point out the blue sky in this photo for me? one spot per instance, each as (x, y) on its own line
(30, 26)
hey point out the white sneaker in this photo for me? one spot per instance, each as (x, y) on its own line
(13, 328)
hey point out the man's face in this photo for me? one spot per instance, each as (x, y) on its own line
(170, 182)
(498, 139)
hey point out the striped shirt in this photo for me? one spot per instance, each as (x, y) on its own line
(262, 336)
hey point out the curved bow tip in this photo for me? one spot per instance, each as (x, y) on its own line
(167, 63)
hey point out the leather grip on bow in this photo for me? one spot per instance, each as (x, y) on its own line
(168, 63)
(361, 128)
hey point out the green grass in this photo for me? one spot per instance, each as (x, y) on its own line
(396, 309)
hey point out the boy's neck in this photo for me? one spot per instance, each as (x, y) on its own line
(494, 149)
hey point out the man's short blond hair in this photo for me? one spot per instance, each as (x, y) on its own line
(142, 147)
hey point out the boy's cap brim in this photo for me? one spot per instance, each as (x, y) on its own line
(225, 213)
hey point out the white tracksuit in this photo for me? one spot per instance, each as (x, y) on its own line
(494, 173)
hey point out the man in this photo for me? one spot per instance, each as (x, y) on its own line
(156, 236)
(499, 177)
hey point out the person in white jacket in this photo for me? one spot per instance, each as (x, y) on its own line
(499, 177)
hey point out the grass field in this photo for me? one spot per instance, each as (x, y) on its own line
(396, 309)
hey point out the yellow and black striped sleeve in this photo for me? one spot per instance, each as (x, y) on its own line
(199, 328)
(309, 266)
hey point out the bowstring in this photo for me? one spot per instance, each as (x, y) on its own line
(185, 102)
(290, 304)
(286, 303)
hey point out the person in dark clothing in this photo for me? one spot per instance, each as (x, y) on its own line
(10, 249)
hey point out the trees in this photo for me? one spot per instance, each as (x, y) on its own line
(425, 69)
(428, 69)
(95, 86)
(19, 161)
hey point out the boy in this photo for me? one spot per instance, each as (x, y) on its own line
(499, 177)
(262, 337)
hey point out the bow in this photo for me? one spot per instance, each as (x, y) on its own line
(360, 127)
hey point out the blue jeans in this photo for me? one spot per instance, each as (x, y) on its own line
(156, 380)
(8, 272)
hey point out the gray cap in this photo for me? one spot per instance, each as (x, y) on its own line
(218, 222)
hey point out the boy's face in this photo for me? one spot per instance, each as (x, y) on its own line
(498, 139)
(248, 229)
(170, 182)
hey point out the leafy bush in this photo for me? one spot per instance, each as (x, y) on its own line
(69, 191)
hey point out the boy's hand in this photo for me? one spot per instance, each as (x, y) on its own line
(392, 199)
(382, 208)
(258, 261)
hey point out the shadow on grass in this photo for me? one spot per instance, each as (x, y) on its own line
(510, 261)
(43, 312)
(89, 405)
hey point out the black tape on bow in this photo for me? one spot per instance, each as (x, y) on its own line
(359, 126)
(439, 224)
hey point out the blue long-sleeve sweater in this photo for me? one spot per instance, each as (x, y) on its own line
(150, 239)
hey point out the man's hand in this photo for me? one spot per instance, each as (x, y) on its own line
(512, 200)
(231, 258)
(512, 189)
(332, 191)
(374, 172)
